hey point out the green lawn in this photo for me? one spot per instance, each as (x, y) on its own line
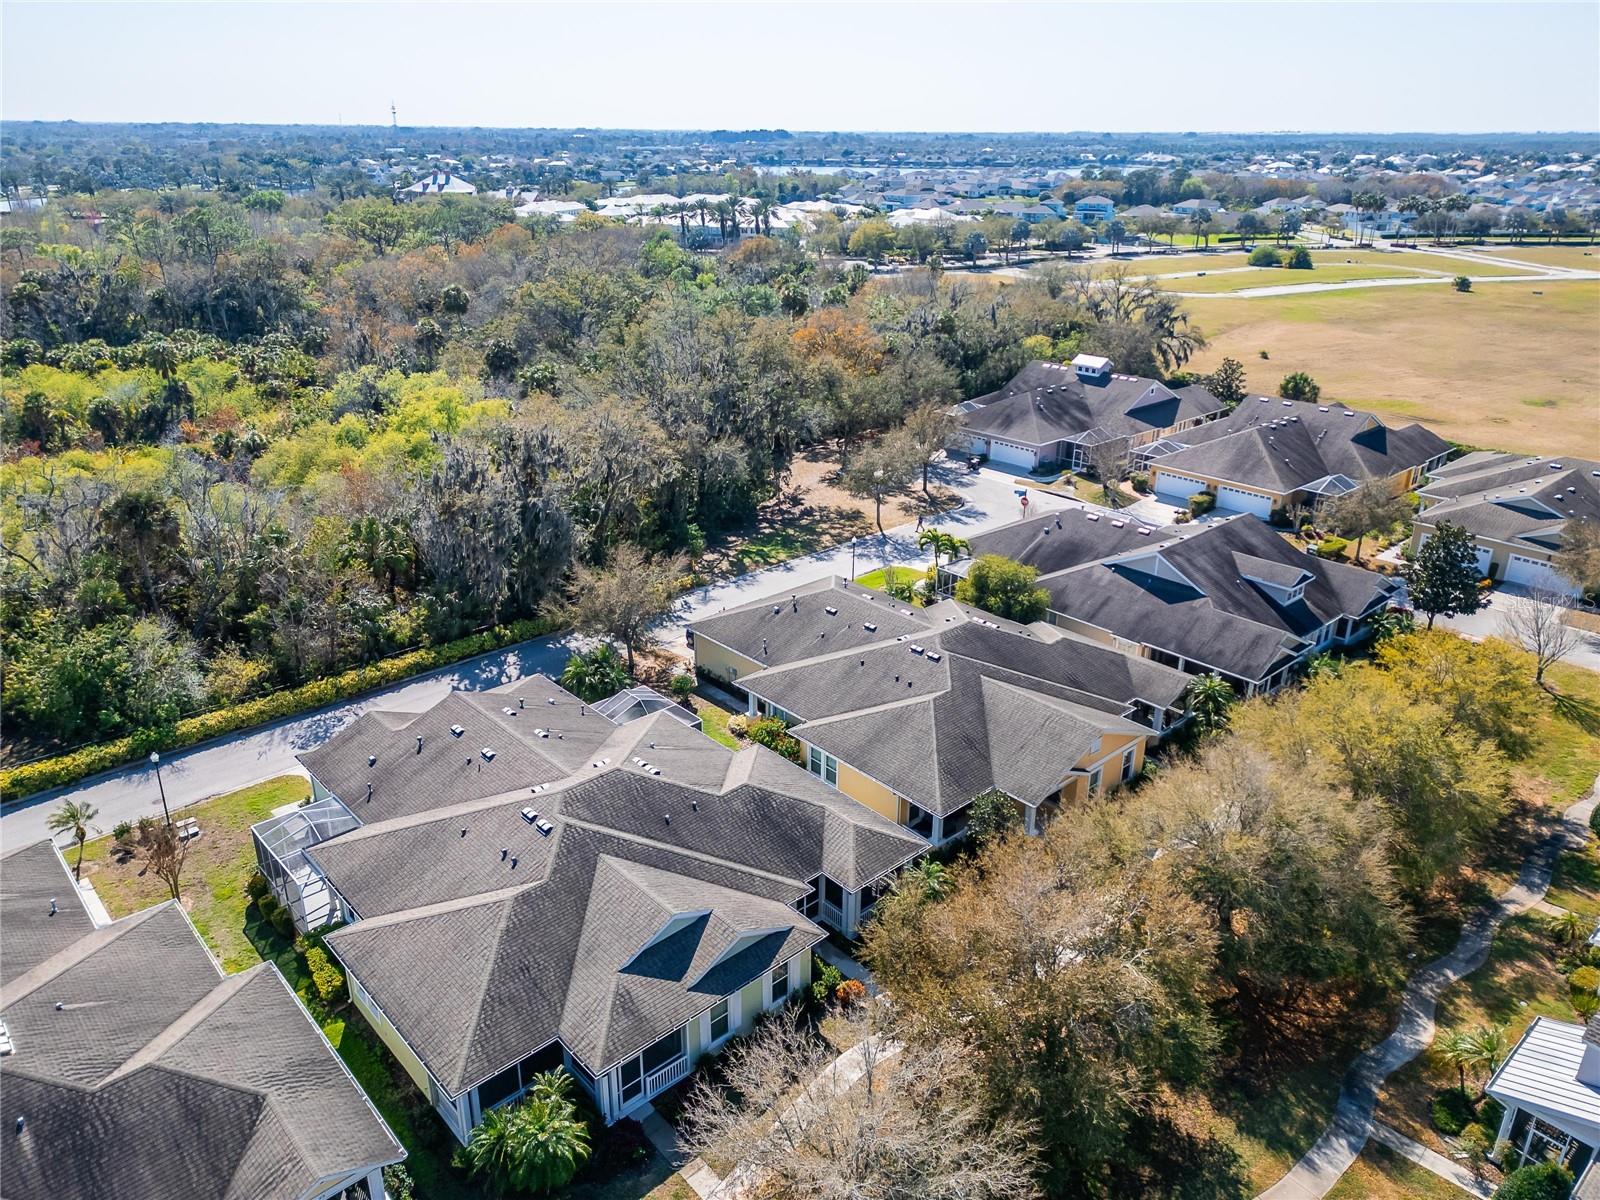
(215, 869)
(1271, 1125)
(883, 576)
(1567, 745)
(773, 541)
(1255, 277)
(1381, 1174)
(1577, 880)
(714, 721)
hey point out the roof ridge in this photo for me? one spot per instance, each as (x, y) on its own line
(77, 952)
(483, 984)
(186, 1022)
(695, 855)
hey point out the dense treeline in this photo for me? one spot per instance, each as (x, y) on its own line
(1120, 978)
(253, 442)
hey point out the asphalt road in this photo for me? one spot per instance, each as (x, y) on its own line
(201, 772)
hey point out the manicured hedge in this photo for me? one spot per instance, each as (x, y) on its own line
(91, 760)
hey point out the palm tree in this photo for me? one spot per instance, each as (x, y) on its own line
(945, 545)
(931, 878)
(1210, 698)
(77, 816)
(596, 674)
(536, 1145)
(1483, 1049)
(1569, 929)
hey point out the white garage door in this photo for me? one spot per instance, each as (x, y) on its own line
(1238, 500)
(1532, 573)
(1002, 454)
(1177, 487)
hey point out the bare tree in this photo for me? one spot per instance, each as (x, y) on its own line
(157, 845)
(1369, 507)
(1538, 622)
(929, 428)
(910, 1123)
(628, 597)
(1110, 462)
(1579, 556)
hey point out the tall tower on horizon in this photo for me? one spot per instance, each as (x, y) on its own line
(394, 117)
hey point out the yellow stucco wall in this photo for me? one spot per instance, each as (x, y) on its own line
(717, 661)
(871, 793)
(392, 1039)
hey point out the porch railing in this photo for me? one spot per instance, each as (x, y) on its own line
(665, 1077)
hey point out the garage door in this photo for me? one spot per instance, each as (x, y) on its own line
(1238, 500)
(1004, 455)
(1532, 573)
(1177, 487)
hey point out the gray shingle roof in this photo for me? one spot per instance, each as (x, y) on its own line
(1524, 501)
(1218, 618)
(30, 878)
(786, 628)
(1066, 539)
(1283, 446)
(190, 1084)
(1046, 403)
(523, 947)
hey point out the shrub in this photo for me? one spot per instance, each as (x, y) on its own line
(267, 905)
(326, 977)
(1452, 1111)
(1201, 503)
(1332, 547)
(850, 992)
(397, 1182)
(1490, 1111)
(1477, 1138)
(1264, 256)
(681, 687)
(993, 814)
(1585, 1004)
(775, 736)
(826, 982)
(1299, 386)
(1140, 482)
(283, 923)
(1539, 1181)
(739, 725)
(121, 830)
(1462, 283)
(257, 886)
(1584, 979)
(1300, 260)
(91, 760)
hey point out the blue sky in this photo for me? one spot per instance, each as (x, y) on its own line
(1378, 67)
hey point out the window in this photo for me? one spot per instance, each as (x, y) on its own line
(832, 893)
(1127, 764)
(719, 1020)
(498, 1088)
(659, 1054)
(632, 1080)
(779, 982)
(1094, 781)
(823, 765)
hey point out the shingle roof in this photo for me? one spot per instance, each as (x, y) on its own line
(1524, 501)
(1188, 596)
(785, 628)
(1046, 402)
(30, 878)
(517, 931)
(1066, 539)
(1284, 446)
(192, 1084)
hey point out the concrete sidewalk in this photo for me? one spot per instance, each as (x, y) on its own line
(1429, 1160)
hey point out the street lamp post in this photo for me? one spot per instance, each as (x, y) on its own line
(155, 761)
(852, 558)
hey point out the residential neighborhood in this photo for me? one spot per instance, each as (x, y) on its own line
(748, 612)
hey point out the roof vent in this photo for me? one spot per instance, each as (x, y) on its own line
(831, 611)
(1093, 516)
(513, 864)
(934, 656)
(456, 731)
(1118, 524)
(776, 609)
(488, 754)
(419, 743)
(510, 712)
(1288, 403)
(655, 770)
(550, 700)
(1322, 408)
(870, 627)
(505, 853)
(667, 817)
(1143, 532)
(530, 815)
(915, 649)
(543, 826)
(463, 831)
(372, 760)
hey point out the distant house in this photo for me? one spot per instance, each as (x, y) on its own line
(1271, 456)
(440, 183)
(528, 885)
(916, 712)
(131, 1066)
(1231, 597)
(1550, 1087)
(1516, 509)
(1187, 208)
(1092, 210)
(1052, 414)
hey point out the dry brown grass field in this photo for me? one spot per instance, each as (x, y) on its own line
(1512, 365)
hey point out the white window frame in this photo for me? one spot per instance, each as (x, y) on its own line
(823, 765)
(1096, 779)
(1128, 757)
(773, 998)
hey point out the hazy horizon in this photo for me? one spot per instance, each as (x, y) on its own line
(878, 68)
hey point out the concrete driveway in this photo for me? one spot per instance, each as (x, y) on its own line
(1490, 622)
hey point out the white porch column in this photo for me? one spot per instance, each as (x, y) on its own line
(375, 1184)
(1506, 1122)
(1030, 820)
(938, 830)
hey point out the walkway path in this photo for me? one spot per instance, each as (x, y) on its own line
(1297, 289)
(1429, 1160)
(1341, 1143)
